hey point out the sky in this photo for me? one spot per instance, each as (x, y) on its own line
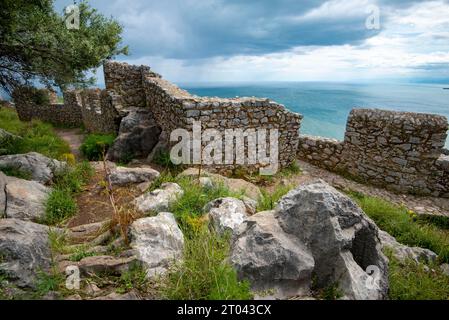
(285, 40)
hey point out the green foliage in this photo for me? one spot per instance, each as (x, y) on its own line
(37, 45)
(59, 206)
(47, 282)
(269, 200)
(73, 178)
(412, 281)
(16, 172)
(37, 136)
(80, 253)
(163, 159)
(291, 170)
(403, 225)
(331, 292)
(203, 273)
(95, 146)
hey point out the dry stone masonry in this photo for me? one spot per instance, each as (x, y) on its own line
(400, 151)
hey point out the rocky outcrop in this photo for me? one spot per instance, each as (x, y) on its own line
(226, 214)
(25, 200)
(403, 252)
(138, 135)
(235, 185)
(333, 240)
(41, 168)
(160, 199)
(122, 176)
(24, 248)
(158, 242)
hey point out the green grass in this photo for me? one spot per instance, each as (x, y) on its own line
(95, 146)
(37, 136)
(16, 172)
(269, 200)
(81, 253)
(411, 281)
(48, 282)
(133, 278)
(404, 225)
(203, 274)
(61, 204)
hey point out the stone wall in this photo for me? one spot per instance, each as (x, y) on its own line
(400, 151)
(175, 108)
(40, 104)
(99, 114)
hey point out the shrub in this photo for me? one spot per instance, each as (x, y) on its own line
(95, 146)
(404, 225)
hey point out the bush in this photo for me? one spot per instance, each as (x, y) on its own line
(95, 146)
(404, 225)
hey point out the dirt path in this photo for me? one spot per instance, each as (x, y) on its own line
(420, 205)
(74, 137)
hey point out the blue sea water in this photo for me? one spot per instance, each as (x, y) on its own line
(326, 106)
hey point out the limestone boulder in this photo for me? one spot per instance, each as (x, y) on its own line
(270, 259)
(226, 214)
(138, 135)
(160, 199)
(122, 176)
(158, 241)
(41, 168)
(340, 242)
(25, 200)
(24, 248)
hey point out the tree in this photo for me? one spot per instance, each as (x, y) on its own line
(37, 46)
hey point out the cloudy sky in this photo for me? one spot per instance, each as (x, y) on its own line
(285, 40)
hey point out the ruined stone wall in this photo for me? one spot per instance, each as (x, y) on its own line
(40, 104)
(175, 108)
(99, 114)
(400, 151)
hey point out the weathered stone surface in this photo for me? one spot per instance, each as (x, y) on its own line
(270, 259)
(132, 295)
(25, 200)
(138, 135)
(325, 226)
(445, 269)
(3, 182)
(235, 185)
(160, 199)
(104, 264)
(158, 242)
(122, 176)
(7, 137)
(403, 252)
(25, 250)
(41, 168)
(226, 214)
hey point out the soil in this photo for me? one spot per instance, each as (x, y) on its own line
(74, 137)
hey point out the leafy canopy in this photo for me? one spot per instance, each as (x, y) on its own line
(36, 45)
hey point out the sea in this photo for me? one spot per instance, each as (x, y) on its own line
(326, 106)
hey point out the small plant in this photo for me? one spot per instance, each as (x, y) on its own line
(73, 178)
(59, 206)
(163, 159)
(81, 253)
(48, 282)
(95, 146)
(12, 171)
(292, 169)
(269, 200)
(134, 278)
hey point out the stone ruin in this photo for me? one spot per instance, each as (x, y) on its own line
(400, 151)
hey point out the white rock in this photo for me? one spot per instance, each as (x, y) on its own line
(122, 176)
(158, 242)
(160, 199)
